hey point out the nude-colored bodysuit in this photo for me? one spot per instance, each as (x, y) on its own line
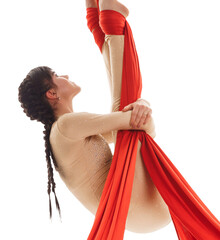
(84, 158)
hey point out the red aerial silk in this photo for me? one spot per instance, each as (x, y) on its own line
(191, 218)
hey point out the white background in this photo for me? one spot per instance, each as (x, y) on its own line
(179, 53)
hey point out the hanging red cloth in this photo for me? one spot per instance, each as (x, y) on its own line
(191, 218)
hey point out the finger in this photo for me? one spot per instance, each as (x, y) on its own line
(142, 117)
(128, 107)
(133, 116)
(139, 112)
(141, 122)
(148, 116)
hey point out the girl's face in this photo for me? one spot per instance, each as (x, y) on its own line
(65, 89)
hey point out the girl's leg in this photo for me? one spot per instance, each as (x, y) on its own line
(112, 51)
(147, 210)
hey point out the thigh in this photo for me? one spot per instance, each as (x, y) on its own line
(147, 210)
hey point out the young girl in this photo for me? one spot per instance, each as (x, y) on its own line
(77, 142)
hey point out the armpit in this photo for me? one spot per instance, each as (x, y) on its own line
(108, 137)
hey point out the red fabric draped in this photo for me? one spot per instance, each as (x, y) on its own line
(93, 24)
(191, 218)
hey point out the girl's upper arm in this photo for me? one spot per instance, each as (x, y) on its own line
(108, 137)
(80, 125)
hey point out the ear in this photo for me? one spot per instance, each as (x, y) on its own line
(51, 94)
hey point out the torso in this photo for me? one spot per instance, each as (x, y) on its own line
(84, 166)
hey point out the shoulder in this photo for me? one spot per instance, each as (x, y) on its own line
(68, 120)
(74, 125)
(69, 117)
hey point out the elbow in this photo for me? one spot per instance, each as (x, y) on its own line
(153, 135)
(149, 127)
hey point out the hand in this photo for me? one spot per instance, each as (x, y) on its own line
(140, 114)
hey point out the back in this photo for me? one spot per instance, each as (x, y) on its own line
(83, 165)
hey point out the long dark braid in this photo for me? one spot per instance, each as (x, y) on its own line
(34, 103)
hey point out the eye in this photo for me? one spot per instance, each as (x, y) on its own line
(65, 77)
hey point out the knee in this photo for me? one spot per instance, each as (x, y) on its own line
(113, 5)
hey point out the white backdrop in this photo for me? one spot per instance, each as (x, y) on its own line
(179, 53)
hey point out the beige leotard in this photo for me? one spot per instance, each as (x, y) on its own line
(80, 145)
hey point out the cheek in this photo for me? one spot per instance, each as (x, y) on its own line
(62, 88)
(70, 88)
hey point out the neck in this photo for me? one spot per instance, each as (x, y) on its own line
(63, 108)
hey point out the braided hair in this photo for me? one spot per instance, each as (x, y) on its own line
(31, 95)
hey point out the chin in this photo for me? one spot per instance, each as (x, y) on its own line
(79, 89)
(76, 91)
